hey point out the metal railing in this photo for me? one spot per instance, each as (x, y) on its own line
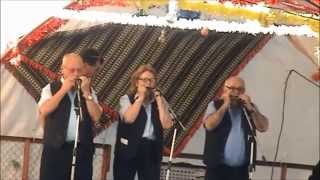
(20, 159)
(195, 172)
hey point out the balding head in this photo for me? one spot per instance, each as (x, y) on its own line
(72, 65)
(71, 58)
(234, 85)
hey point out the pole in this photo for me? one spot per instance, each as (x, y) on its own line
(176, 121)
(79, 116)
(252, 142)
(171, 154)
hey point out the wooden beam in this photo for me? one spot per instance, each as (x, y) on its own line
(105, 161)
(283, 172)
(26, 158)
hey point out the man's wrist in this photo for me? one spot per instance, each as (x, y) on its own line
(252, 111)
(88, 96)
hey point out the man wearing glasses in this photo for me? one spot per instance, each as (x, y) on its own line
(57, 113)
(226, 152)
(144, 114)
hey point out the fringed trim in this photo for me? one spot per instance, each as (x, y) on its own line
(36, 66)
(22, 81)
(51, 25)
(110, 111)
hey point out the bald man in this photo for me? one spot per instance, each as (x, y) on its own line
(57, 114)
(226, 151)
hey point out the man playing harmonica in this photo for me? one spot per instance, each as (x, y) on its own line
(226, 151)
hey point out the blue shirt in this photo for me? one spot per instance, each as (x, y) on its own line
(234, 151)
(148, 129)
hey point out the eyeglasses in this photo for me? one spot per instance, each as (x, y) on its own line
(235, 88)
(72, 70)
(147, 79)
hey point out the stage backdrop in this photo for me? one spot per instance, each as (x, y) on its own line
(191, 67)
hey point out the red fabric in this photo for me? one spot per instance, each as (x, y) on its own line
(52, 24)
(316, 75)
(84, 4)
(107, 109)
(283, 4)
(296, 6)
(34, 65)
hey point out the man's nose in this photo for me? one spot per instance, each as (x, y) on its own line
(234, 93)
(77, 73)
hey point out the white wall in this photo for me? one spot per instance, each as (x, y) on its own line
(265, 76)
(20, 17)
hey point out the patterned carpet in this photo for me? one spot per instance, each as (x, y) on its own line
(191, 67)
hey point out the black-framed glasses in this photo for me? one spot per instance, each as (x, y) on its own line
(235, 88)
(71, 70)
(148, 79)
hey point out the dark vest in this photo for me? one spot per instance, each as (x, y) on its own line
(216, 139)
(56, 124)
(132, 133)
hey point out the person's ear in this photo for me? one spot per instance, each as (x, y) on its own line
(60, 72)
